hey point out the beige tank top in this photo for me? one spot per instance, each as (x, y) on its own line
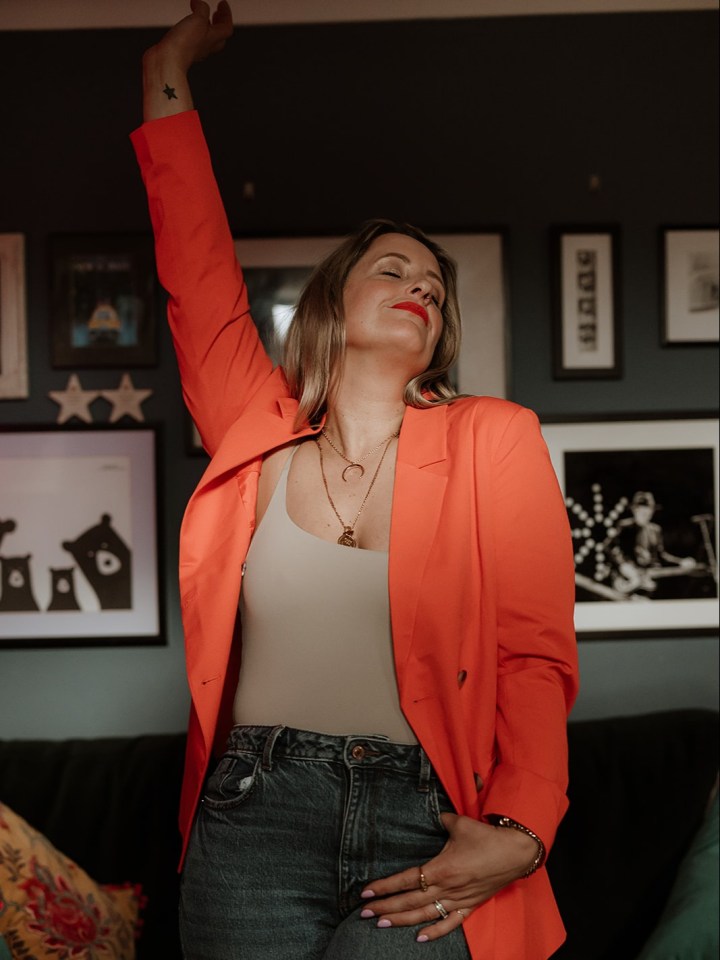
(317, 646)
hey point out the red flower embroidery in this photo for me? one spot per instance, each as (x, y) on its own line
(62, 916)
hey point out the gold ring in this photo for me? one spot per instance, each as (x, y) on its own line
(423, 882)
(440, 909)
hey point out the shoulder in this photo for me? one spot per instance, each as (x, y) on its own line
(490, 416)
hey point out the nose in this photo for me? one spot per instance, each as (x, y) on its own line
(421, 287)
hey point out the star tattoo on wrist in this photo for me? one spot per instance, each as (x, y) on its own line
(170, 92)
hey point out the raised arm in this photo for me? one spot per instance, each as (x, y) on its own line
(221, 359)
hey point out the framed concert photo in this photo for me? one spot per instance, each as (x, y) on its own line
(641, 493)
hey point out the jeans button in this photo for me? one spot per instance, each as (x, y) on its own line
(357, 752)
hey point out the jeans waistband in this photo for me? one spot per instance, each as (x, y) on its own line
(354, 751)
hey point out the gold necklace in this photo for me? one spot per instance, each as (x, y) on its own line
(355, 465)
(347, 537)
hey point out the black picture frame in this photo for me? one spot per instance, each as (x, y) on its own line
(621, 472)
(586, 304)
(80, 543)
(103, 301)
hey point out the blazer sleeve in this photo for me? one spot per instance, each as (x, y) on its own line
(221, 358)
(537, 651)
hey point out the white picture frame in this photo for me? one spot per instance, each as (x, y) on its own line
(690, 310)
(483, 362)
(79, 539)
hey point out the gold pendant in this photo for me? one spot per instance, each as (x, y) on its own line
(352, 472)
(346, 538)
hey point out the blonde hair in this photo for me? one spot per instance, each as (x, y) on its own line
(315, 344)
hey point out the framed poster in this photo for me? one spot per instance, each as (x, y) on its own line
(103, 301)
(689, 270)
(13, 321)
(79, 538)
(276, 269)
(586, 308)
(642, 498)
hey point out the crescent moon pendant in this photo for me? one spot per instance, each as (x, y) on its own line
(350, 472)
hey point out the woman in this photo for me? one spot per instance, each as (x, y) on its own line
(396, 764)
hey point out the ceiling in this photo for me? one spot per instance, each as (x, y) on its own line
(86, 14)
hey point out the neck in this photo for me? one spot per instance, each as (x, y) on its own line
(360, 418)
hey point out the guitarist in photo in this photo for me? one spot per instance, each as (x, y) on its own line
(639, 551)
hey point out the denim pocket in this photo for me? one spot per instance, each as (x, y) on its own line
(438, 803)
(232, 781)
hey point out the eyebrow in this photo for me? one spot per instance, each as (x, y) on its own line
(401, 256)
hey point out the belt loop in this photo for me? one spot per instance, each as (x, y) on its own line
(269, 745)
(425, 772)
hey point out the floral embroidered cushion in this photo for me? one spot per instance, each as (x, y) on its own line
(51, 908)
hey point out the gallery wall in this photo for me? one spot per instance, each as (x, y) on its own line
(454, 125)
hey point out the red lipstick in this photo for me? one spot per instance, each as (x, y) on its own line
(412, 307)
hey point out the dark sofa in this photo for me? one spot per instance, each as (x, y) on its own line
(639, 790)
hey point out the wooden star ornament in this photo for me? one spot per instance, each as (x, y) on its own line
(126, 400)
(74, 401)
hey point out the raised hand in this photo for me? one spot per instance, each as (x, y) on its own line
(165, 65)
(476, 862)
(198, 35)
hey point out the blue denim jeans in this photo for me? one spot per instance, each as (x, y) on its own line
(292, 826)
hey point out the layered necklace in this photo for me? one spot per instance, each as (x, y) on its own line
(355, 469)
(347, 537)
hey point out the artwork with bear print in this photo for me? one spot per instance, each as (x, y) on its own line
(78, 537)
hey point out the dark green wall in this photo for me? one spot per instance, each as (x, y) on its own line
(453, 125)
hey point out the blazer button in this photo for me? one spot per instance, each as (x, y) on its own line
(462, 677)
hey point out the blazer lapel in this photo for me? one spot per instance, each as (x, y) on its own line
(420, 482)
(252, 435)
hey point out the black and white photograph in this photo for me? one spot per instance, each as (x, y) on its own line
(690, 299)
(78, 570)
(13, 320)
(642, 500)
(104, 310)
(276, 269)
(586, 310)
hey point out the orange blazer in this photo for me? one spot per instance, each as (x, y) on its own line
(480, 564)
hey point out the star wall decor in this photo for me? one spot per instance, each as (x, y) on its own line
(74, 401)
(126, 400)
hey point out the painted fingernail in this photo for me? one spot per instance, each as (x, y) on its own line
(422, 938)
(366, 894)
(384, 923)
(367, 913)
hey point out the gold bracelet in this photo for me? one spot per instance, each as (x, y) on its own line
(514, 825)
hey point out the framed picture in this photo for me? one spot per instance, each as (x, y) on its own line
(586, 306)
(642, 497)
(689, 271)
(103, 301)
(276, 269)
(13, 329)
(79, 538)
